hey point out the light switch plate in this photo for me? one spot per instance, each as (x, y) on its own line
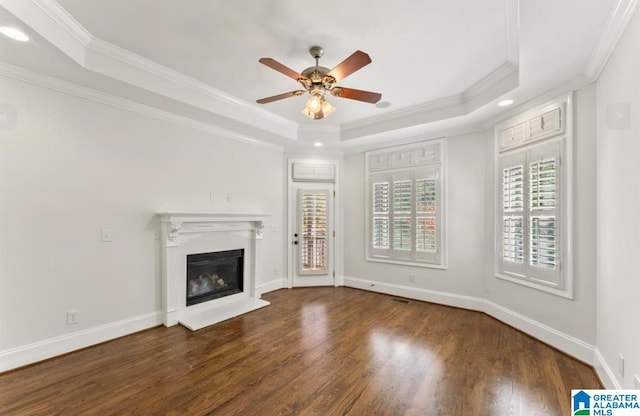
(72, 317)
(621, 364)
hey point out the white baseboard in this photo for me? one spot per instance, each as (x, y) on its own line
(557, 339)
(270, 286)
(449, 299)
(48, 348)
(42, 350)
(38, 351)
(563, 342)
(604, 372)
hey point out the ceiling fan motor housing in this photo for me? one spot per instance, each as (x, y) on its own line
(315, 73)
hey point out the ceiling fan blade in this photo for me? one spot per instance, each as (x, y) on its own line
(280, 96)
(273, 64)
(357, 60)
(366, 96)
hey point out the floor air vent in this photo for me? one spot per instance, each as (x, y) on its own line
(399, 300)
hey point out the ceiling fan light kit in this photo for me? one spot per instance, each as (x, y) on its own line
(317, 80)
(317, 107)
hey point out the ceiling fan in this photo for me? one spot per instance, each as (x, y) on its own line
(318, 80)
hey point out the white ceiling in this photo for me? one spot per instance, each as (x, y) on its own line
(437, 62)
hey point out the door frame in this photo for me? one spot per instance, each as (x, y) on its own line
(338, 279)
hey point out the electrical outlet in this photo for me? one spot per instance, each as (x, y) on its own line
(275, 271)
(229, 197)
(156, 235)
(72, 317)
(636, 382)
(412, 277)
(621, 364)
(212, 196)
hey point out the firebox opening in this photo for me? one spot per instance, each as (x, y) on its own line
(214, 275)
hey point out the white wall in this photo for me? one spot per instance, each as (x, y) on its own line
(465, 230)
(618, 205)
(573, 317)
(72, 166)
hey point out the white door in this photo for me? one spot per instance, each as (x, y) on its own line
(313, 234)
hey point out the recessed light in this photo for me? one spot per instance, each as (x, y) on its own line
(13, 33)
(383, 104)
(505, 103)
(318, 144)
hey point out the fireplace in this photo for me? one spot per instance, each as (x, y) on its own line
(200, 234)
(214, 275)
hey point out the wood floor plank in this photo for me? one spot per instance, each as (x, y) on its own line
(313, 351)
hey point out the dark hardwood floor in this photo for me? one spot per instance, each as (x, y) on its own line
(316, 351)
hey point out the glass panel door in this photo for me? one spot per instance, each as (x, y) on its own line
(314, 232)
(313, 235)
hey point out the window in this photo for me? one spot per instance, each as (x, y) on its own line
(314, 232)
(532, 229)
(405, 193)
(530, 224)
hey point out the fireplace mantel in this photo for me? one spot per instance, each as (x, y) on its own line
(195, 232)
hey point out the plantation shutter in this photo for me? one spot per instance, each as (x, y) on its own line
(380, 214)
(512, 247)
(544, 202)
(405, 204)
(530, 226)
(534, 153)
(427, 215)
(314, 232)
(402, 231)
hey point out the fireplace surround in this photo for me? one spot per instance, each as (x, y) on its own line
(185, 234)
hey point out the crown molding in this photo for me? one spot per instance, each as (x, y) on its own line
(69, 88)
(66, 21)
(563, 89)
(60, 28)
(414, 137)
(315, 132)
(54, 23)
(616, 25)
(497, 83)
(223, 103)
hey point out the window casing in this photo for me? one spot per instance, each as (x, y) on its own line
(405, 218)
(533, 202)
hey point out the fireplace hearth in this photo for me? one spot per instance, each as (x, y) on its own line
(214, 275)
